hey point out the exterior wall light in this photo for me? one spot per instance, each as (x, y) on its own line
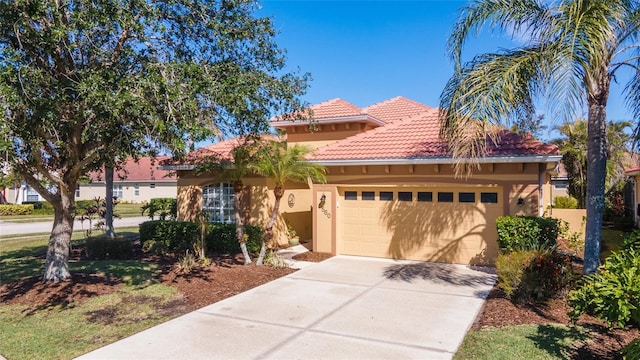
(520, 201)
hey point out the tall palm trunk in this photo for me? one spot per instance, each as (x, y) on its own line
(108, 212)
(596, 173)
(56, 266)
(237, 197)
(278, 192)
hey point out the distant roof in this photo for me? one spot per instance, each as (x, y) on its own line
(144, 169)
(634, 170)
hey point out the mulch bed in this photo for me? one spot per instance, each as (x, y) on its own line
(225, 277)
(312, 256)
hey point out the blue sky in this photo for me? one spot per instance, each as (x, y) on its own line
(369, 51)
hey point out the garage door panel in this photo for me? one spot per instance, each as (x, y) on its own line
(437, 231)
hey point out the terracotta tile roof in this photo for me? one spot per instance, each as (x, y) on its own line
(335, 108)
(395, 109)
(145, 169)
(218, 151)
(632, 169)
(417, 137)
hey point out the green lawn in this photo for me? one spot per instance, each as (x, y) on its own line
(64, 331)
(124, 210)
(520, 342)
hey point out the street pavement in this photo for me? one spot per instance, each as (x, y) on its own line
(13, 228)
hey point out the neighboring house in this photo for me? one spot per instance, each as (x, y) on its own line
(136, 182)
(21, 193)
(559, 182)
(391, 189)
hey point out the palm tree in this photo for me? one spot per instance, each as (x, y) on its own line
(573, 49)
(282, 164)
(573, 147)
(234, 169)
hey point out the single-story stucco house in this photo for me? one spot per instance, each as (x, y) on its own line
(391, 189)
(136, 181)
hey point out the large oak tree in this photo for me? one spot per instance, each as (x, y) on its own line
(84, 82)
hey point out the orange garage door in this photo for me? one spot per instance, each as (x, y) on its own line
(455, 225)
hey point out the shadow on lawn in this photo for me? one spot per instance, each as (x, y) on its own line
(559, 341)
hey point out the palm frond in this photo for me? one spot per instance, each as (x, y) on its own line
(514, 17)
(491, 90)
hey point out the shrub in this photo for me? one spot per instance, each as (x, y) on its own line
(532, 276)
(6, 210)
(523, 233)
(164, 208)
(38, 205)
(221, 238)
(103, 248)
(82, 205)
(187, 262)
(613, 293)
(631, 240)
(565, 202)
(175, 236)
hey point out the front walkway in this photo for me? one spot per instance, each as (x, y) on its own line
(343, 308)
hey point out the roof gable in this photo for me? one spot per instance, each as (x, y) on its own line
(395, 109)
(335, 108)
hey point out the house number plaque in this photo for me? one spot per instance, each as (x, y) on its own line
(291, 200)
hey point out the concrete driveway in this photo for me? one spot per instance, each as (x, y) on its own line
(343, 308)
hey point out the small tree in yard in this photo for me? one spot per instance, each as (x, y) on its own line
(282, 163)
(85, 82)
(234, 169)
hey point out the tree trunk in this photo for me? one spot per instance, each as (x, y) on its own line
(237, 196)
(56, 266)
(278, 192)
(108, 213)
(596, 173)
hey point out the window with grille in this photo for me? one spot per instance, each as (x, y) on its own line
(217, 201)
(117, 191)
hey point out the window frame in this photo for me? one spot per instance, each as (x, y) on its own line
(424, 194)
(217, 201)
(441, 200)
(351, 195)
(482, 198)
(462, 194)
(383, 195)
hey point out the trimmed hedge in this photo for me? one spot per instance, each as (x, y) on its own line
(221, 238)
(6, 210)
(102, 248)
(524, 233)
(161, 236)
(172, 236)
